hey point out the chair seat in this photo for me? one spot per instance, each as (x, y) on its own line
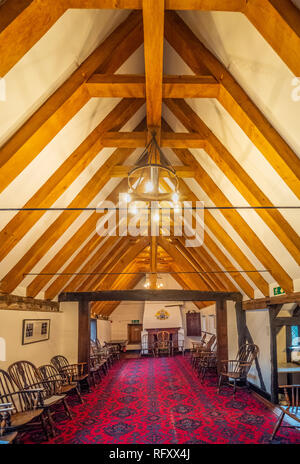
(78, 378)
(232, 375)
(68, 387)
(22, 418)
(53, 400)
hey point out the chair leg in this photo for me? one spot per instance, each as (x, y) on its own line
(234, 387)
(44, 425)
(51, 422)
(67, 409)
(278, 424)
(220, 382)
(79, 395)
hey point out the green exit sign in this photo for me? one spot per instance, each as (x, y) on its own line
(135, 321)
(278, 290)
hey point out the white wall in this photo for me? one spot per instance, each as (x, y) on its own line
(126, 312)
(258, 324)
(63, 335)
(103, 331)
(259, 328)
(151, 322)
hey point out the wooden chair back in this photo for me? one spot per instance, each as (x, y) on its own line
(49, 373)
(163, 336)
(59, 362)
(246, 355)
(10, 393)
(292, 397)
(26, 376)
(210, 345)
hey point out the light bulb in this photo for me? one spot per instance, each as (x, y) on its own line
(149, 186)
(175, 197)
(156, 217)
(133, 209)
(176, 208)
(127, 197)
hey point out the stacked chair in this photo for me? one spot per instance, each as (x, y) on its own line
(73, 372)
(27, 377)
(205, 346)
(27, 405)
(29, 395)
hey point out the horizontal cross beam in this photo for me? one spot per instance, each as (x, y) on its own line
(122, 171)
(139, 140)
(134, 86)
(262, 303)
(150, 295)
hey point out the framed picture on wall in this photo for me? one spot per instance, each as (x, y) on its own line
(35, 330)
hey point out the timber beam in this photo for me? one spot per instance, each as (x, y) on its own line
(150, 295)
(21, 303)
(134, 86)
(138, 139)
(262, 303)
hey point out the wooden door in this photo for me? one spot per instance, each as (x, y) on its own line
(193, 324)
(134, 333)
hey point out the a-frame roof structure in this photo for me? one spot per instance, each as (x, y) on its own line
(87, 80)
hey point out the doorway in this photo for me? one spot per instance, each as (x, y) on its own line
(134, 334)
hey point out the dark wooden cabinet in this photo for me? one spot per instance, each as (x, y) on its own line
(193, 324)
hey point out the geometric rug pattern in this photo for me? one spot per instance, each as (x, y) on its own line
(162, 401)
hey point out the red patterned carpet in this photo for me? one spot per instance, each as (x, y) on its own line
(161, 401)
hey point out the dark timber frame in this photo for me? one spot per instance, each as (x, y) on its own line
(84, 299)
(276, 323)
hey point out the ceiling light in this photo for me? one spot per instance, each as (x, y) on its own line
(149, 186)
(175, 197)
(127, 197)
(153, 166)
(133, 209)
(156, 217)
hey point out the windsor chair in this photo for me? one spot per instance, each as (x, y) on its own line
(292, 397)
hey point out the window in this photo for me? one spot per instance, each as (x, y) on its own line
(94, 329)
(295, 334)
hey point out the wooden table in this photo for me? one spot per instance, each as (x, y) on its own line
(289, 369)
(121, 343)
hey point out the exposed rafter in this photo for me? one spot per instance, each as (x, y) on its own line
(238, 176)
(65, 102)
(63, 177)
(235, 101)
(278, 21)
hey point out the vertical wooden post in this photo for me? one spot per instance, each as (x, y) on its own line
(222, 334)
(84, 332)
(273, 349)
(240, 323)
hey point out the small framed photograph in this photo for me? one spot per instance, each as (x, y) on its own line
(35, 330)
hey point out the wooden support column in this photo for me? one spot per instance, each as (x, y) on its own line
(84, 314)
(273, 311)
(222, 335)
(241, 323)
